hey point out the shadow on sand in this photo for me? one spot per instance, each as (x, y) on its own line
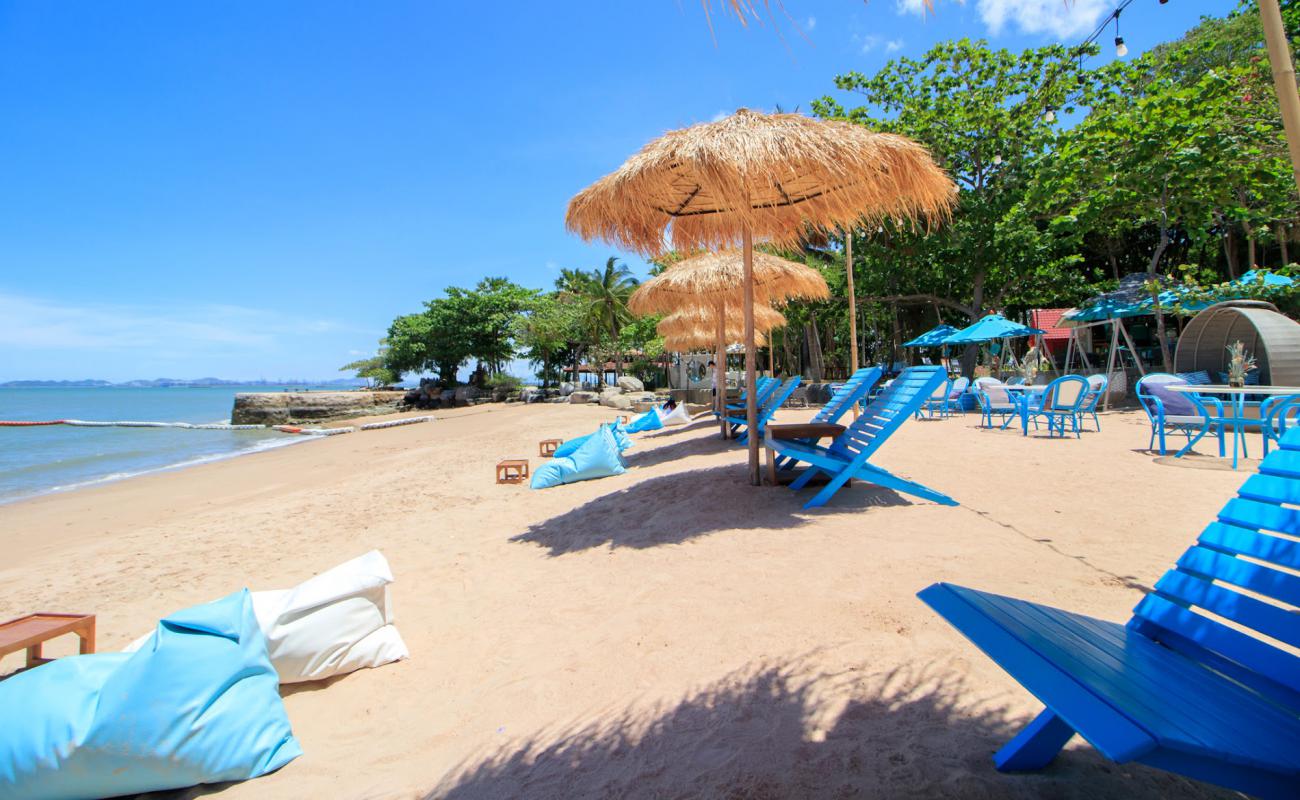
(649, 513)
(781, 732)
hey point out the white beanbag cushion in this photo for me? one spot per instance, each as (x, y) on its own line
(678, 416)
(335, 623)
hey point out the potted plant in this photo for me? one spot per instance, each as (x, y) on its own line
(1239, 363)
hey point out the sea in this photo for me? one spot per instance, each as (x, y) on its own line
(53, 458)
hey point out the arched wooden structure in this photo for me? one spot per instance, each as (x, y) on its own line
(1273, 338)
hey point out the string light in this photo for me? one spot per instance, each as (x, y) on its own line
(1050, 116)
(1121, 49)
(997, 160)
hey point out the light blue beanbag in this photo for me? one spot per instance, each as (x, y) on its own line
(571, 446)
(649, 421)
(198, 703)
(597, 457)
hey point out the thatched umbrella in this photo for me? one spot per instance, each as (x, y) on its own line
(728, 327)
(716, 281)
(770, 176)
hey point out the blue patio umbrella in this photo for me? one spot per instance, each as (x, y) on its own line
(935, 337)
(991, 327)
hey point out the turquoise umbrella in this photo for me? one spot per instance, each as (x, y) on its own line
(991, 327)
(934, 337)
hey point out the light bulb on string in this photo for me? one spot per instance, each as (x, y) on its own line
(1121, 49)
(997, 160)
(1050, 115)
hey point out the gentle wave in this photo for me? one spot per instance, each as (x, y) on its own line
(257, 447)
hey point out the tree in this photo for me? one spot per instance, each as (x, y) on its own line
(608, 292)
(374, 370)
(984, 114)
(547, 333)
(486, 317)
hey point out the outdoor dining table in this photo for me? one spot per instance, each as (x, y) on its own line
(1021, 392)
(1237, 396)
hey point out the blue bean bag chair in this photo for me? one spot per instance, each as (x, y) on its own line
(597, 457)
(649, 421)
(198, 703)
(571, 446)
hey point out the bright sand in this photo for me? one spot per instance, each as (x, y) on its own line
(671, 632)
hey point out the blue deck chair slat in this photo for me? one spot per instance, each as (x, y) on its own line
(1267, 516)
(1202, 681)
(846, 457)
(1240, 572)
(1198, 636)
(775, 399)
(763, 385)
(1271, 489)
(1255, 614)
(1273, 549)
(853, 391)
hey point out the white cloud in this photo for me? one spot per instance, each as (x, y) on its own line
(720, 116)
(893, 45)
(33, 324)
(1061, 19)
(867, 43)
(810, 24)
(917, 7)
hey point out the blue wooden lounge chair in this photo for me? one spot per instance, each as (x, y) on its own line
(851, 392)
(763, 387)
(766, 408)
(1172, 689)
(848, 454)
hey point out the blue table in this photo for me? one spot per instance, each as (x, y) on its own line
(1236, 396)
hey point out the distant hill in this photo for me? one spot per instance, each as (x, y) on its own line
(169, 383)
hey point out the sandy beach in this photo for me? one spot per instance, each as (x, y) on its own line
(671, 632)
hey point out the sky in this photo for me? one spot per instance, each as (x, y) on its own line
(244, 189)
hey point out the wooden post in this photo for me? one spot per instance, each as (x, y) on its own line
(853, 303)
(1279, 58)
(720, 370)
(1132, 348)
(1110, 361)
(751, 377)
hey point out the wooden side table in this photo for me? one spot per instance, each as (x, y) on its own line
(799, 430)
(32, 631)
(512, 470)
(547, 447)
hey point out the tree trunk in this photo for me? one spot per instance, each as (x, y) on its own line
(1153, 271)
(813, 337)
(1230, 250)
(1114, 263)
(1281, 242)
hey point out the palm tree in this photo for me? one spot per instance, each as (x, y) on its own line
(607, 293)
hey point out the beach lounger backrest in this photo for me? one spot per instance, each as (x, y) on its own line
(853, 390)
(891, 408)
(1243, 571)
(777, 397)
(1066, 393)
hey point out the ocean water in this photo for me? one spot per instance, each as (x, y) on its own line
(51, 458)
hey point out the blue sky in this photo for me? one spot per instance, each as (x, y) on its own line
(254, 190)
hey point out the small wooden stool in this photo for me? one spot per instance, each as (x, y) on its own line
(547, 447)
(625, 419)
(32, 631)
(512, 470)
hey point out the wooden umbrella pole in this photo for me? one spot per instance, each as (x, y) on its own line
(751, 378)
(853, 305)
(720, 370)
(1279, 58)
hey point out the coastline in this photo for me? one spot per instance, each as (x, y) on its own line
(640, 630)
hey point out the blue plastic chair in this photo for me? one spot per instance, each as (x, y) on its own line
(1172, 689)
(858, 386)
(1058, 404)
(1276, 414)
(942, 402)
(994, 399)
(1187, 414)
(1097, 385)
(766, 408)
(848, 454)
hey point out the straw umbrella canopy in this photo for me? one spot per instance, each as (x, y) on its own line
(770, 176)
(704, 318)
(716, 281)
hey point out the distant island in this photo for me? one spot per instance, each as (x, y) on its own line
(172, 383)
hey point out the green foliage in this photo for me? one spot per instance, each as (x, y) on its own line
(504, 381)
(375, 369)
